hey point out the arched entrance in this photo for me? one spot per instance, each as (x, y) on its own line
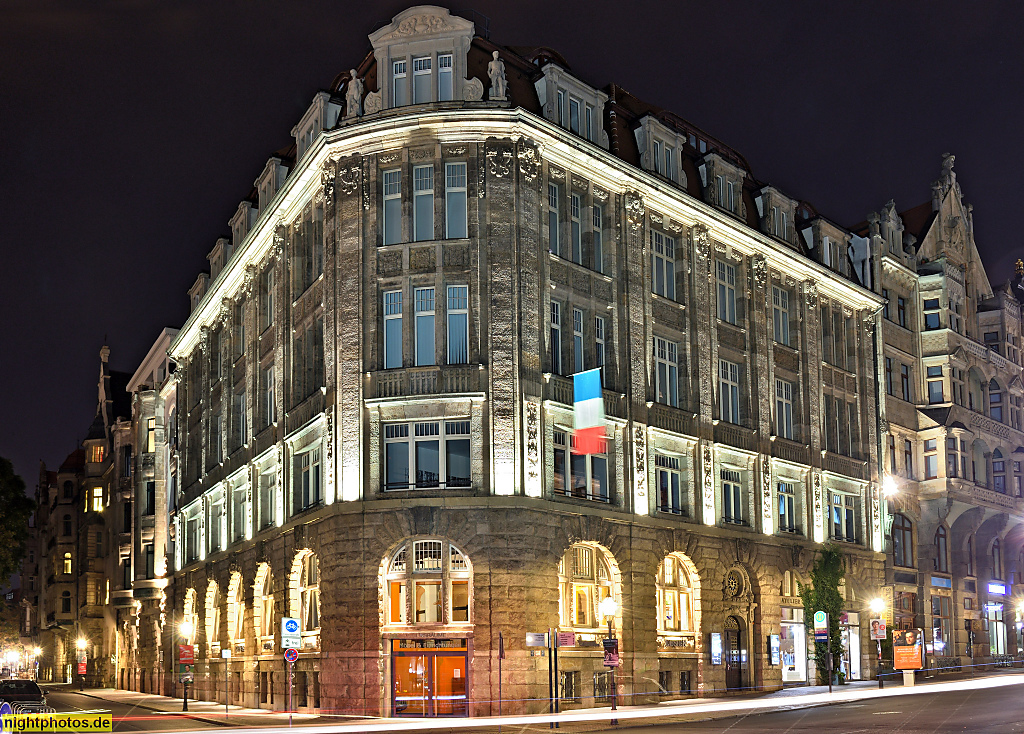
(735, 654)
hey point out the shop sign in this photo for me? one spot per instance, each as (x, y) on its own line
(878, 629)
(888, 596)
(431, 644)
(995, 587)
(567, 639)
(716, 648)
(775, 646)
(611, 653)
(907, 649)
(536, 639)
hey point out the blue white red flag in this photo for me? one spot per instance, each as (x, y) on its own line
(588, 412)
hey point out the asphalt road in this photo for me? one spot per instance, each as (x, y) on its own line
(126, 718)
(985, 711)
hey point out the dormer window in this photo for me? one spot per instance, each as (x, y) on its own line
(445, 81)
(399, 96)
(726, 191)
(571, 104)
(780, 223)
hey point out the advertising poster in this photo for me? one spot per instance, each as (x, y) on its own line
(775, 646)
(716, 648)
(907, 649)
(878, 629)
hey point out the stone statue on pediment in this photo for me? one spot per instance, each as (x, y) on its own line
(354, 96)
(496, 71)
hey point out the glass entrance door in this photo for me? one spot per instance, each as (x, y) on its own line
(428, 682)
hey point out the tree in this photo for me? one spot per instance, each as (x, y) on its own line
(823, 596)
(15, 511)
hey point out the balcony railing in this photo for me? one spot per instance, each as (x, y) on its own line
(734, 435)
(671, 419)
(434, 380)
(559, 389)
(787, 450)
(583, 495)
(838, 464)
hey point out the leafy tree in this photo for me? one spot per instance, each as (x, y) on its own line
(15, 511)
(823, 596)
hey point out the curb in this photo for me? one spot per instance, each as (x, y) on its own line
(182, 714)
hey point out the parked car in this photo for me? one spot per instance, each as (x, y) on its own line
(25, 693)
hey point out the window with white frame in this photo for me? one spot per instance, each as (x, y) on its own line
(554, 199)
(556, 337)
(669, 478)
(675, 597)
(935, 384)
(422, 203)
(215, 524)
(268, 402)
(780, 224)
(308, 479)
(598, 238)
(421, 92)
(562, 111)
(579, 475)
(267, 499)
(666, 372)
(455, 201)
(663, 264)
(726, 292)
(576, 227)
(732, 496)
(599, 344)
(780, 314)
(931, 458)
(728, 391)
(239, 512)
(424, 302)
(998, 472)
(400, 83)
(428, 583)
(787, 508)
(427, 454)
(445, 80)
(843, 516)
(574, 115)
(584, 580)
(458, 324)
(239, 423)
(784, 408)
(309, 599)
(392, 181)
(932, 316)
(392, 330)
(577, 340)
(264, 601)
(588, 115)
(726, 191)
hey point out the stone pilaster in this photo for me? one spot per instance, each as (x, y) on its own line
(637, 319)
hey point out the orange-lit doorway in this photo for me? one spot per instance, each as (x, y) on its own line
(428, 678)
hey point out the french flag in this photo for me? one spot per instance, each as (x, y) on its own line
(588, 412)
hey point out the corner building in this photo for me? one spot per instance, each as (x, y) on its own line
(375, 399)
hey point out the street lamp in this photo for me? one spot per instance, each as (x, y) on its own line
(889, 487)
(186, 629)
(81, 643)
(607, 608)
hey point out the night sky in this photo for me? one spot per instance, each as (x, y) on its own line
(131, 130)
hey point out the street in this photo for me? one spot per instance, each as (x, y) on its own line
(131, 717)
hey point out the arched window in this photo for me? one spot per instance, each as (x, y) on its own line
(998, 472)
(309, 594)
(236, 609)
(65, 602)
(675, 596)
(902, 541)
(941, 554)
(67, 525)
(970, 555)
(212, 614)
(789, 585)
(995, 401)
(585, 578)
(263, 606)
(997, 560)
(189, 618)
(430, 587)
(67, 562)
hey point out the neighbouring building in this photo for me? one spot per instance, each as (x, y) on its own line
(953, 440)
(375, 430)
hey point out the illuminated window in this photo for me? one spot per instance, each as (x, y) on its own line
(97, 499)
(67, 563)
(675, 597)
(309, 594)
(585, 578)
(427, 582)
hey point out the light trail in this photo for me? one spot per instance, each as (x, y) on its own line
(662, 711)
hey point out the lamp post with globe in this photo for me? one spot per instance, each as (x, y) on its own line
(607, 608)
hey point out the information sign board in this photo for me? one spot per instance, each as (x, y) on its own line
(820, 627)
(775, 647)
(187, 654)
(567, 639)
(290, 634)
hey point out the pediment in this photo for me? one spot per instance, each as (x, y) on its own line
(422, 20)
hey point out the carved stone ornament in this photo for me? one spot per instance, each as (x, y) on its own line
(811, 294)
(600, 195)
(278, 240)
(580, 183)
(473, 90)
(348, 178)
(701, 241)
(327, 183)
(674, 227)
(371, 103)
(759, 269)
(499, 161)
(454, 150)
(248, 281)
(556, 174)
(634, 209)
(657, 218)
(529, 158)
(417, 25)
(388, 158)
